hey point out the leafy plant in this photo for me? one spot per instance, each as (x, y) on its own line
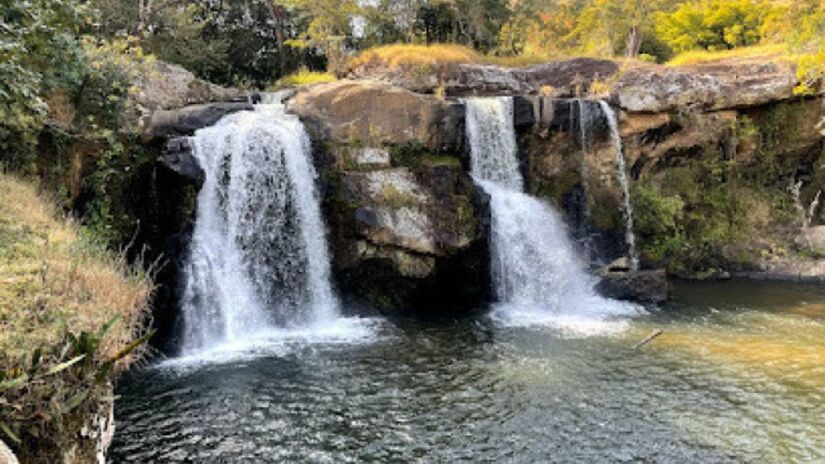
(46, 392)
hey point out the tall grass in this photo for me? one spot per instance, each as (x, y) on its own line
(54, 277)
(71, 314)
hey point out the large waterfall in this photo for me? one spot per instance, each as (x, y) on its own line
(258, 257)
(536, 271)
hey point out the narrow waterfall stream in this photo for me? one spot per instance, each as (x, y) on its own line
(621, 174)
(258, 256)
(536, 272)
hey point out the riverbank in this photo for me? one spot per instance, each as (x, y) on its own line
(69, 314)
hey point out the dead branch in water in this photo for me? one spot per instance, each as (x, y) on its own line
(649, 338)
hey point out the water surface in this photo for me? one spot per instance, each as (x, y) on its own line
(737, 376)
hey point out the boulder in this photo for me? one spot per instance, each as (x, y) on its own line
(639, 286)
(375, 113)
(658, 89)
(167, 86)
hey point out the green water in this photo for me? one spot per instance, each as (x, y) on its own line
(737, 376)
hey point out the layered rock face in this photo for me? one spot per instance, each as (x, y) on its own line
(407, 224)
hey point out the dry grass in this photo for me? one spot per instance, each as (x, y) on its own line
(432, 56)
(411, 55)
(54, 279)
(767, 52)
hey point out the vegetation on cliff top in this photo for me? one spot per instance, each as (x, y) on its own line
(68, 309)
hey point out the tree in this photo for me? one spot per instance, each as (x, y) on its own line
(714, 24)
(40, 52)
(616, 27)
(328, 28)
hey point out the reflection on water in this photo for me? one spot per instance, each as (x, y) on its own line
(737, 376)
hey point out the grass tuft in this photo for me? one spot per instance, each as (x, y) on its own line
(304, 77)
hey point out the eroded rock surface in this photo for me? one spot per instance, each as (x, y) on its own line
(657, 89)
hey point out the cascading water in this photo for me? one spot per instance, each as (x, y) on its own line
(586, 121)
(258, 257)
(621, 174)
(535, 269)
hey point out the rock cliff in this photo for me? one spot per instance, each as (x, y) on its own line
(723, 160)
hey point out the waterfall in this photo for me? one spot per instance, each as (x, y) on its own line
(535, 269)
(258, 256)
(621, 174)
(586, 120)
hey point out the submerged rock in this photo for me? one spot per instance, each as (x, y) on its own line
(640, 286)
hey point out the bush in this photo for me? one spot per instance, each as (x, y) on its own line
(658, 221)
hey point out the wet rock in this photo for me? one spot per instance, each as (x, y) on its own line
(163, 124)
(179, 161)
(639, 286)
(410, 239)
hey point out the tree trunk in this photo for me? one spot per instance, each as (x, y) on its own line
(634, 42)
(144, 13)
(278, 14)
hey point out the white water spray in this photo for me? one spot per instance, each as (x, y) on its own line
(258, 257)
(621, 174)
(536, 273)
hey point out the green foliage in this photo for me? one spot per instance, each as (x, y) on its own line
(408, 154)
(658, 221)
(47, 393)
(692, 211)
(714, 24)
(40, 51)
